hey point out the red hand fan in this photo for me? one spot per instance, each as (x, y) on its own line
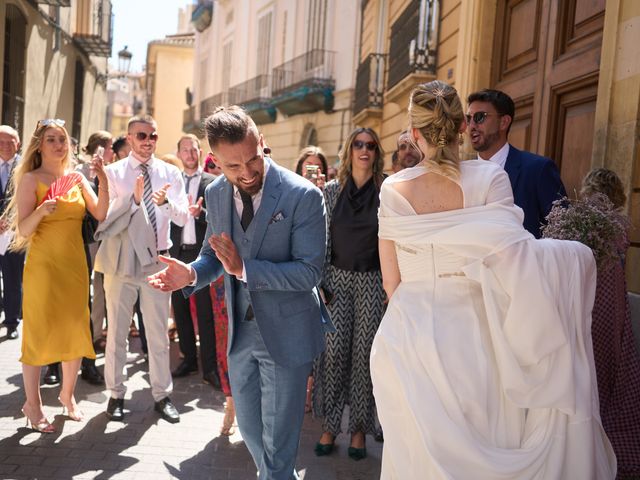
(62, 186)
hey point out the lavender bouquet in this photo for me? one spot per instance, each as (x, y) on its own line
(592, 220)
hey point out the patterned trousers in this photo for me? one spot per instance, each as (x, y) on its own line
(341, 373)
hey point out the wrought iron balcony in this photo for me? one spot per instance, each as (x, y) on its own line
(370, 82)
(254, 96)
(94, 27)
(306, 83)
(202, 15)
(413, 43)
(208, 105)
(55, 3)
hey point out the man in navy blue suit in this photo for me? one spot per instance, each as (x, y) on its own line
(535, 180)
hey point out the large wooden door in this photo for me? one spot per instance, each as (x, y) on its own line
(547, 58)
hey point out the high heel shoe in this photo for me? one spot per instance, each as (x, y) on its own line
(324, 449)
(357, 453)
(42, 425)
(228, 427)
(75, 415)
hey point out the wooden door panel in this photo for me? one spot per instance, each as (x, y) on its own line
(580, 24)
(572, 126)
(519, 23)
(520, 133)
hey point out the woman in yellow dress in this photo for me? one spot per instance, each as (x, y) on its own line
(56, 284)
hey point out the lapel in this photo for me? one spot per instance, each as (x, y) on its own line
(225, 202)
(270, 196)
(513, 166)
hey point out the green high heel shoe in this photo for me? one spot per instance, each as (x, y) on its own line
(357, 453)
(323, 449)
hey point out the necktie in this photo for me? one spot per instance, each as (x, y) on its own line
(247, 210)
(4, 175)
(147, 197)
(187, 182)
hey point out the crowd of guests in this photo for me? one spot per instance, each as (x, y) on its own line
(120, 215)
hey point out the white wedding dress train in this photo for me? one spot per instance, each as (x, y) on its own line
(482, 366)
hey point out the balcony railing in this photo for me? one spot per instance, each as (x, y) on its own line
(314, 68)
(94, 27)
(254, 90)
(414, 38)
(202, 15)
(370, 82)
(189, 122)
(56, 3)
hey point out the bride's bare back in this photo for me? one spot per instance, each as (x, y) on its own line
(431, 193)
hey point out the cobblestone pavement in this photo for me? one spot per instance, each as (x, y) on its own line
(144, 446)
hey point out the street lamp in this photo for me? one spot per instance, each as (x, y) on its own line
(124, 60)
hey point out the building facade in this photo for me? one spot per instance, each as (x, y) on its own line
(126, 96)
(571, 67)
(290, 64)
(55, 63)
(169, 73)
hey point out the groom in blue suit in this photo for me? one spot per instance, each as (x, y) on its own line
(267, 233)
(535, 180)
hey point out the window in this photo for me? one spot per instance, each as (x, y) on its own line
(13, 68)
(78, 94)
(316, 24)
(263, 64)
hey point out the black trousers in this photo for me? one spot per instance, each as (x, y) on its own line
(184, 324)
(12, 264)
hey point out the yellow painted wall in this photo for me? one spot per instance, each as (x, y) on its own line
(173, 67)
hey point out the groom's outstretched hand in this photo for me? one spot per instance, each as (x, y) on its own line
(227, 253)
(177, 275)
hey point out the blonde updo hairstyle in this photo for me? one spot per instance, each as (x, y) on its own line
(436, 111)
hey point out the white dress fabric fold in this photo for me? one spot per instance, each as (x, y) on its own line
(483, 364)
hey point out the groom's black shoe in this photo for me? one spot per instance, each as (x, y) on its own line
(52, 375)
(115, 409)
(167, 411)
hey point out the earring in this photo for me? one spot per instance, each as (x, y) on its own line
(461, 139)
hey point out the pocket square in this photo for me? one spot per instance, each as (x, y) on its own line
(276, 218)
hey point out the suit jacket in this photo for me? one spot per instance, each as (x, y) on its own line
(4, 193)
(283, 268)
(201, 220)
(536, 184)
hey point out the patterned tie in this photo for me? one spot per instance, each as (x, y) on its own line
(247, 210)
(147, 197)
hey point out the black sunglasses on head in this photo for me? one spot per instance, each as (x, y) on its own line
(359, 144)
(479, 117)
(142, 136)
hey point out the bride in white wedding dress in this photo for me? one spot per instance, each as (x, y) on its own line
(482, 366)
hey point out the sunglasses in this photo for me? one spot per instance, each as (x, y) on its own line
(359, 144)
(142, 136)
(51, 121)
(478, 118)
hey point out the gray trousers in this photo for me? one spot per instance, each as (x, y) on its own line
(121, 294)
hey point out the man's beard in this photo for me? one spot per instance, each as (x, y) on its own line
(250, 190)
(488, 140)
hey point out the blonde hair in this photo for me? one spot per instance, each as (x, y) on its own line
(31, 160)
(603, 180)
(344, 169)
(436, 111)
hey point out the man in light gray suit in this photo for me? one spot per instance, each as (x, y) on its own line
(266, 231)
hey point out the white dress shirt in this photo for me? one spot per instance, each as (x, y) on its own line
(189, 229)
(122, 179)
(500, 157)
